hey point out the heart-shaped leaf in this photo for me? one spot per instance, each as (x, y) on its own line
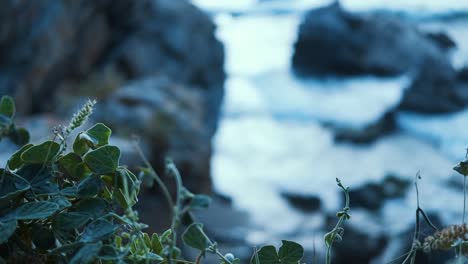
(15, 160)
(90, 186)
(33, 210)
(7, 106)
(195, 237)
(20, 136)
(290, 252)
(103, 160)
(98, 230)
(95, 137)
(73, 166)
(7, 229)
(42, 153)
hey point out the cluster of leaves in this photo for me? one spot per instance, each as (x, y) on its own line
(19, 136)
(60, 205)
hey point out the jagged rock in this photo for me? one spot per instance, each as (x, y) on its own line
(51, 45)
(303, 202)
(462, 74)
(437, 88)
(333, 41)
(442, 40)
(358, 246)
(57, 52)
(172, 118)
(369, 133)
(372, 195)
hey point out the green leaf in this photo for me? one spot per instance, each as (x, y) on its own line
(98, 230)
(73, 166)
(33, 210)
(89, 187)
(166, 235)
(152, 256)
(80, 145)
(195, 237)
(93, 207)
(86, 254)
(290, 252)
(7, 106)
(7, 229)
(128, 187)
(69, 191)
(69, 220)
(42, 153)
(39, 178)
(200, 201)
(15, 161)
(156, 244)
(103, 160)
(20, 136)
(100, 133)
(12, 187)
(35, 174)
(95, 137)
(68, 248)
(462, 167)
(61, 201)
(267, 255)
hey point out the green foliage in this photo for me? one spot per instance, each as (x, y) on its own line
(60, 206)
(7, 127)
(76, 206)
(289, 253)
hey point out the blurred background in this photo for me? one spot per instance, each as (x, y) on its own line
(262, 104)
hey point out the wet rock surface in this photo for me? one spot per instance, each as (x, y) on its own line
(303, 202)
(333, 41)
(373, 195)
(369, 133)
(172, 118)
(359, 246)
(379, 43)
(436, 88)
(57, 53)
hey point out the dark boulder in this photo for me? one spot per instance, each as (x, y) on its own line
(172, 118)
(51, 45)
(462, 74)
(333, 41)
(303, 202)
(154, 66)
(369, 133)
(442, 39)
(358, 246)
(373, 195)
(436, 88)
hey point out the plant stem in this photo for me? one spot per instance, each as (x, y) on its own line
(156, 177)
(464, 199)
(343, 217)
(178, 206)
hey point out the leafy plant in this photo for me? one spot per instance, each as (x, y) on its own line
(76, 206)
(61, 204)
(7, 127)
(289, 253)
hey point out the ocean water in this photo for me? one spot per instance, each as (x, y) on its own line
(271, 136)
